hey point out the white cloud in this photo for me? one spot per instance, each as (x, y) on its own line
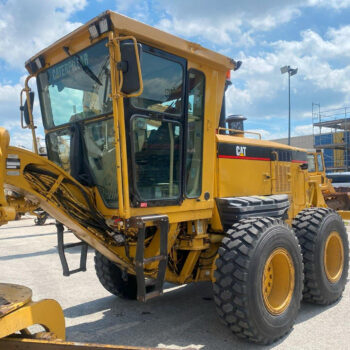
(323, 69)
(227, 22)
(303, 130)
(26, 27)
(335, 4)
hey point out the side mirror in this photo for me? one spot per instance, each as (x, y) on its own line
(25, 108)
(129, 67)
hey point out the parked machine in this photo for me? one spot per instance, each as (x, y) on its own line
(336, 195)
(142, 168)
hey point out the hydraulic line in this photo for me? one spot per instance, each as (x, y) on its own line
(85, 214)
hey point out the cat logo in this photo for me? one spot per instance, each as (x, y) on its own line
(241, 151)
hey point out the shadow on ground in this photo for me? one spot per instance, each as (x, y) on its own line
(183, 317)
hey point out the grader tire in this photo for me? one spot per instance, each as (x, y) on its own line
(256, 307)
(113, 280)
(325, 247)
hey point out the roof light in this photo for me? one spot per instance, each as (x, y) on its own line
(103, 25)
(39, 61)
(228, 75)
(93, 31)
(35, 65)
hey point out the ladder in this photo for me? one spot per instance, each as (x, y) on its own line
(150, 288)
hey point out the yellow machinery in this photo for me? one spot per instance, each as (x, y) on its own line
(142, 168)
(335, 198)
(22, 206)
(18, 315)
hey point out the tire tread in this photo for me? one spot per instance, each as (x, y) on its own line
(306, 226)
(232, 304)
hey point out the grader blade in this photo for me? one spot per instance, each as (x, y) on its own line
(33, 344)
(338, 200)
(18, 313)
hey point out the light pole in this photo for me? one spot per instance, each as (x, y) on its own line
(290, 71)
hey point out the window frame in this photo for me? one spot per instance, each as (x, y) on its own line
(138, 197)
(186, 130)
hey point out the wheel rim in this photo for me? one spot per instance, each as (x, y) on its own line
(333, 257)
(278, 281)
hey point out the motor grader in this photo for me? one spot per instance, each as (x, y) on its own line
(142, 167)
(336, 197)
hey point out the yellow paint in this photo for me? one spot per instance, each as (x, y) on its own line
(278, 281)
(339, 155)
(22, 313)
(333, 258)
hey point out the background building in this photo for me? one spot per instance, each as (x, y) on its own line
(305, 141)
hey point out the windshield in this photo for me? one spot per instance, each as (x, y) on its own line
(69, 93)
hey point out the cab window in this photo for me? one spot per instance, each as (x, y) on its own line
(162, 85)
(320, 162)
(311, 163)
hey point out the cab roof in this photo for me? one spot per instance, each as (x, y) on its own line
(123, 25)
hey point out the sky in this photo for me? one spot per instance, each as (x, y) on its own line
(311, 35)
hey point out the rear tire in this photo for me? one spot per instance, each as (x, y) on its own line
(242, 301)
(325, 247)
(114, 279)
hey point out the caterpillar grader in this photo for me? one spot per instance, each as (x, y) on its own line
(142, 168)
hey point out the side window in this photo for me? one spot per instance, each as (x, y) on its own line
(58, 147)
(320, 163)
(97, 162)
(100, 146)
(311, 163)
(196, 83)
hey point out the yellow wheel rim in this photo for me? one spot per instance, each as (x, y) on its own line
(278, 281)
(333, 258)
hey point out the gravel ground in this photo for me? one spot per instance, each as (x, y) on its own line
(184, 317)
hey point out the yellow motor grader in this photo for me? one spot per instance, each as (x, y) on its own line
(142, 167)
(336, 197)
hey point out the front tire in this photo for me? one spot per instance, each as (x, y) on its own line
(255, 306)
(113, 279)
(325, 247)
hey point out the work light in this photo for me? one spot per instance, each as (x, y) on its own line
(93, 31)
(39, 62)
(103, 25)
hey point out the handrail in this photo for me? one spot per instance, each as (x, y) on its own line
(239, 131)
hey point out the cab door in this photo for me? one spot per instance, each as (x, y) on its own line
(155, 123)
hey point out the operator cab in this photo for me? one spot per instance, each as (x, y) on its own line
(164, 125)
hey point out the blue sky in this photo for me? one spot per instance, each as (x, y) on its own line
(313, 35)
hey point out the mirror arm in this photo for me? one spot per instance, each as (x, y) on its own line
(116, 42)
(31, 125)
